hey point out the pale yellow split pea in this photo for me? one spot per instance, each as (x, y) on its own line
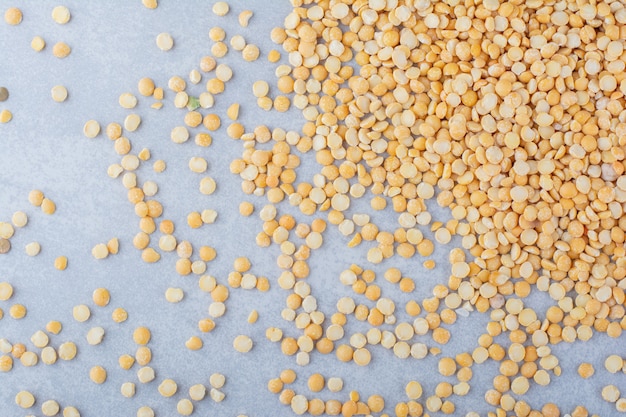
(164, 41)
(59, 93)
(61, 15)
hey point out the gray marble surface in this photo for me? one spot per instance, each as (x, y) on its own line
(113, 46)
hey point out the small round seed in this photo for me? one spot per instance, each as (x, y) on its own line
(242, 344)
(128, 389)
(610, 393)
(119, 315)
(6, 363)
(198, 164)
(167, 388)
(59, 93)
(150, 4)
(6, 291)
(132, 122)
(98, 374)
(238, 42)
(5, 116)
(54, 327)
(71, 412)
(413, 390)
(141, 336)
(126, 361)
(95, 335)
(6, 230)
(146, 87)
(24, 399)
(164, 41)
(223, 73)
(145, 411)
(614, 363)
(48, 206)
(13, 16)
(81, 313)
(217, 380)
(143, 355)
(184, 407)
(61, 15)
(216, 34)
(273, 56)
(50, 408)
(316, 382)
(100, 251)
(48, 355)
(38, 43)
(260, 88)
(17, 311)
(145, 375)
(221, 8)
(91, 129)
(39, 339)
(29, 359)
(101, 297)
(250, 53)
(5, 245)
(127, 101)
(174, 295)
(197, 392)
(67, 351)
(61, 50)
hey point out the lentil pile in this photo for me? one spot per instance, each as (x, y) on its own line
(489, 131)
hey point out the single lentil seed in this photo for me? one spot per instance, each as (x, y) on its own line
(13, 16)
(145, 375)
(5, 245)
(221, 8)
(50, 408)
(59, 93)
(242, 344)
(61, 15)
(128, 389)
(98, 374)
(5, 116)
(24, 399)
(167, 388)
(164, 41)
(81, 313)
(38, 44)
(61, 50)
(197, 392)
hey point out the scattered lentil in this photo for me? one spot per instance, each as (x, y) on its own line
(98, 374)
(164, 41)
(13, 16)
(38, 44)
(50, 408)
(5, 116)
(61, 50)
(221, 8)
(24, 399)
(145, 374)
(197, 392)
(242, 344)
(128, 389)
(61, 15)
